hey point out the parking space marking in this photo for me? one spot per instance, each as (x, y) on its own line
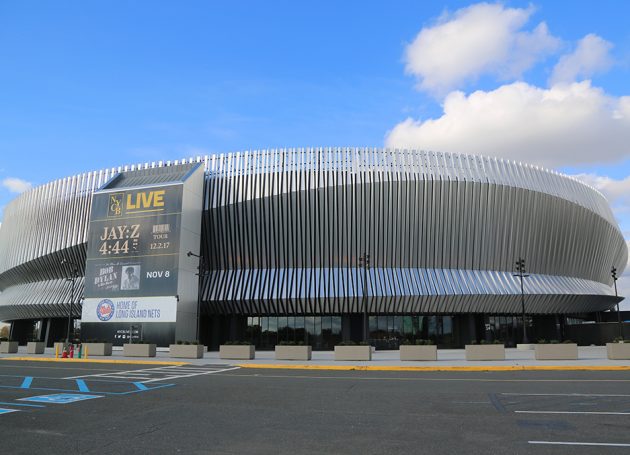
(60, 398)
(82, 386)
(92, 385)
(615, 395)
(421, 379)
(575, 412)
(571, 443)
(6, 411)
(188, 374)
(165, 373)
(6, 403)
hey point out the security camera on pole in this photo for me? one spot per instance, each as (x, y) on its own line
(520, 272)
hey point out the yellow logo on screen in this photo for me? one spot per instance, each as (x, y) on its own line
(114, 207)
(145, 201)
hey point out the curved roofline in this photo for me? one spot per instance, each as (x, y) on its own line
(375, 150)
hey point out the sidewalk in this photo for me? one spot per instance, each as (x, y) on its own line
(589, 358)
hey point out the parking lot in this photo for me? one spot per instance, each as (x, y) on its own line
(112, 408)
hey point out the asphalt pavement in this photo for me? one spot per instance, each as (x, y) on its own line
(222, 409)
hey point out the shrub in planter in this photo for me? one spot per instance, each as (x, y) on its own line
(140, 349)
(8, 347)
(619, 349)
(420, 350)
(485, 351)
(35, 347)
(554, 350)
(187, 349)
(237, 350)
(349, 350)
(292, 351)
(97, 348)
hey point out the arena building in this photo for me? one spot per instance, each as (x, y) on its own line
(315, 245)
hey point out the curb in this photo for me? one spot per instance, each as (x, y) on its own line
(128, 362)
(443, 368)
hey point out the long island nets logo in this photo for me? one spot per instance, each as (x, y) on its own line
(105, 310)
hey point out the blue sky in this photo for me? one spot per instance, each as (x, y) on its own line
(88, 85)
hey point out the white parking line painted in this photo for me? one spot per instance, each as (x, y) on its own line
(566, 394)
(576, 412)
(135, 378)
(190, 375)
(568, 443)
(418, 379)
(165, 373)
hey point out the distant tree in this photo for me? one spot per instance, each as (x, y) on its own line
(4, 331)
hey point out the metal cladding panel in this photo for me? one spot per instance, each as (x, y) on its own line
(283, 230)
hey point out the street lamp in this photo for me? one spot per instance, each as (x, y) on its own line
(613, 273)
(200, 267)
(520, 272)
(364, 261)
(75, 274)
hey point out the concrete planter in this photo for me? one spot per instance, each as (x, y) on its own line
(59, 347)
(139, 350)
(99, 349)
(187, 351)
(293, 352)
(8, 347)
(560, 351)
(618, 351)
(526, 346)
(35, 347)
(237, 352)
(353, 352)
(418, 352)
(485, 352)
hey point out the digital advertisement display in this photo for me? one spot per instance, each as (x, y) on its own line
(133, 243)
(131, 267)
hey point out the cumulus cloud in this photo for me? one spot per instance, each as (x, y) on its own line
(16, 185)
(591, 56)
(616, 191)
(566, 124)
(480, 39)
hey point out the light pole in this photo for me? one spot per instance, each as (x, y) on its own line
(613, 273)
(75, 274)
(364, 261)
(520, 272)
(200, 267)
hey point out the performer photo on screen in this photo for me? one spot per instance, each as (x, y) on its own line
(131, 278)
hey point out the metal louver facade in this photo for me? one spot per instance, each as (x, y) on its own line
(283, 230)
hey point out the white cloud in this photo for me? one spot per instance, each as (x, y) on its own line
(616, 191)
(566, 124)
(591, 56)
(16, 185)
(480, 39)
